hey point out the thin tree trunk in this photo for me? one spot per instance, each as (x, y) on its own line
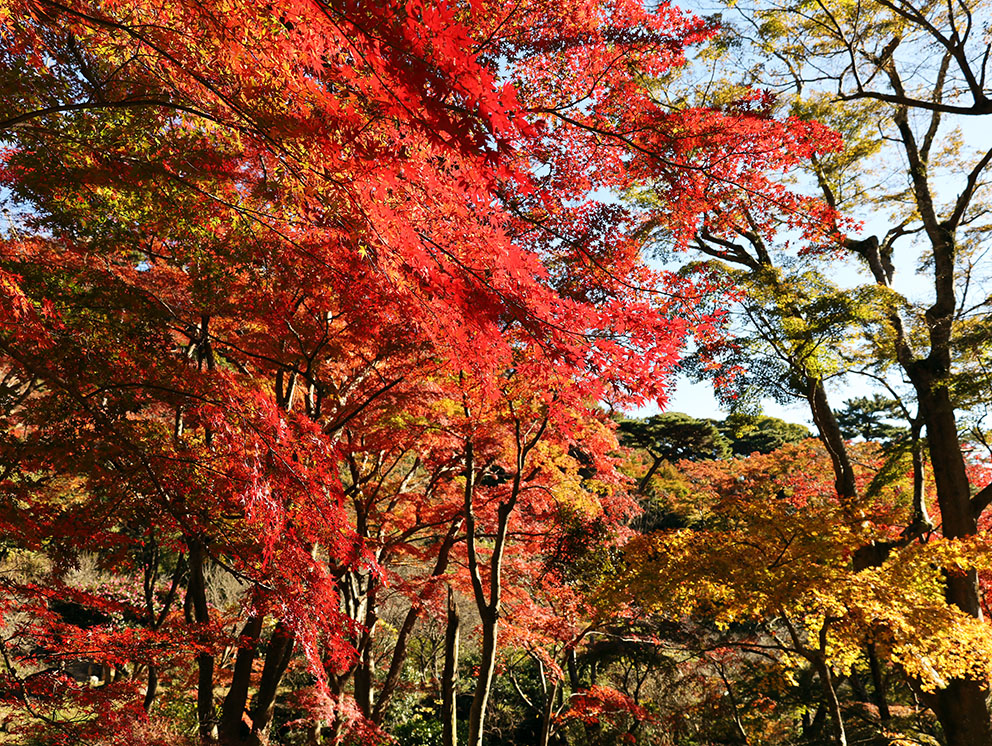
(483, 685)
(489, 610)
(233, 710)
(397, 659)
(818, 659)
(276, 660)
(833, 439)
(151, 688)
(547, 715)
(449, 677)
(489, 613)
(831, 701)
(365, 670)
(921, 517)
(197, 612)
(400, 647)
(879, 683)
(572, 666)
(812, 726)
(738, 723)
(646, 479)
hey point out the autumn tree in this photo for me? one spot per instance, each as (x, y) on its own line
(775, 551)
(871, 419)
(759, 433)
(245, 243)
(673, 436)
(891, 77)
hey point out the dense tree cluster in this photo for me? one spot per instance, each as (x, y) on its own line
(317, 319)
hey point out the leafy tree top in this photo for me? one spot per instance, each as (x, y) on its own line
(674, 436)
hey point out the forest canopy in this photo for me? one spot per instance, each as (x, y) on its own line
(322, 325)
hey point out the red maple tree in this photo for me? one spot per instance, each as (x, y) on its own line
(253, 244)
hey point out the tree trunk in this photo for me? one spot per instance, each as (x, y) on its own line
(484, 684)
(547, 715)
(276, 660)
(921, 516)
(365, 671)
(489, 610)
(449, 677)
(232, 728)
(735, 708)
(830, 434)
(963, 714)
(961, 706)
(813, 725)
(646, 479)
(879, 683)
(572, 666)
(831, 701)
(395, 665)
(400, 647)
(197, 612)
(151, 688)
